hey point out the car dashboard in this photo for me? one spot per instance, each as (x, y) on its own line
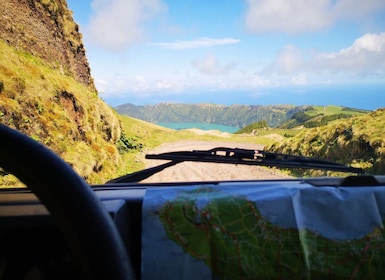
(296, 228)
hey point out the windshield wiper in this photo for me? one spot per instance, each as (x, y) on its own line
(236, 156)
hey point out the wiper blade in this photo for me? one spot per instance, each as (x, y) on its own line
(254, 157)
(236, 156)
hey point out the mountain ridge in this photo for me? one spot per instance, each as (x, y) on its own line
(237, 115)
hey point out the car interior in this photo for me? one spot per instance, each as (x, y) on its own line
(61, 228)
(58, 225)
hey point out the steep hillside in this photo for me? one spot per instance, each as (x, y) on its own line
(358, 141)
(46, 90)
(45, 29)
(234, 115)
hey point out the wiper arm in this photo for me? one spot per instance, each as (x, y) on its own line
(255, 157)
(236, 156)
(142, 174)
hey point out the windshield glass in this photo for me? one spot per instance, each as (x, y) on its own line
(146, 77)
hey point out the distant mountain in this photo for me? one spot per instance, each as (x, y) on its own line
(234, 115)
(314, 116)
(284, 116)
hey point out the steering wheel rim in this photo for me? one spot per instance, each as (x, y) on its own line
(87, 227)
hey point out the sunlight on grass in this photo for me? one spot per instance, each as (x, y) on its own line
(51, 107)
(357, 141)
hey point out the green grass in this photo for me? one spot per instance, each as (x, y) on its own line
(54, 109)
(357, 141)
(333, 110)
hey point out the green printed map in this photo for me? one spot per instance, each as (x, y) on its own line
(227, 232)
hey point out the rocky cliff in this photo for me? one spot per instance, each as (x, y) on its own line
(45, 28)
(47, 92)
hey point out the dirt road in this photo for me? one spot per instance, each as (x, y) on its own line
(194, 171)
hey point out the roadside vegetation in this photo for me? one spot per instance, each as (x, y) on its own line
(358, 141)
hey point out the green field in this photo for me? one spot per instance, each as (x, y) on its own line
(315, 116)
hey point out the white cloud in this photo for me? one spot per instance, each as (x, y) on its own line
(362, 60)
(365, 56)
(197, 43)
(299, 80)
(115, 24)
(356, 9)
(287, 16)
(289, 60)
(257, 82)
(210, 66)
(173, 85)
(295, 16)
(141, 85)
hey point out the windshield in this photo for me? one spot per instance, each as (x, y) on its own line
(303, 78)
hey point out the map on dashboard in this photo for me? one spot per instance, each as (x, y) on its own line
(263, 232)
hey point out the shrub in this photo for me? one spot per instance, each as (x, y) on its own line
(125, 144)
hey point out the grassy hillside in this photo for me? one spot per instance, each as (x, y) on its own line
(252, 128)
(313, 116)
(58, 111)
(357, 141)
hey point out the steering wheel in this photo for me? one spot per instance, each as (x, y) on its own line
(92, 237)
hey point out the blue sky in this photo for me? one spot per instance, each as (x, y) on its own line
(317, 52)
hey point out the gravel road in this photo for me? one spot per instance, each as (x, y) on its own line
(197, 171)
